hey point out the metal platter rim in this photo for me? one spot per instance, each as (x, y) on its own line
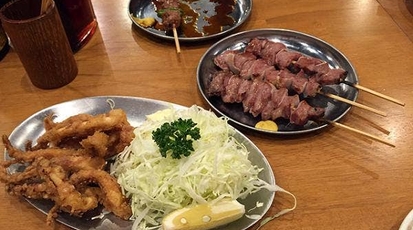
(110, 220)
(247, 34)
(245, 15)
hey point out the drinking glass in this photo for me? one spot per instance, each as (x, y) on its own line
(40, 41)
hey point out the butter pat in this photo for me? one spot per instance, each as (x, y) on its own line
(204, 216)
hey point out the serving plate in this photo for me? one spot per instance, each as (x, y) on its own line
(204, 8)
(136, 110)
(295, 41)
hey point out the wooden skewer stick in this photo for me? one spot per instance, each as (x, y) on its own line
(357, 86)
(178, 48)
(355, 104)
(362, 133)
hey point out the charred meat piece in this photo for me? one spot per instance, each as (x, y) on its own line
(170, 13)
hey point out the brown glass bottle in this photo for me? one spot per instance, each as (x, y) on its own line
(79, 21)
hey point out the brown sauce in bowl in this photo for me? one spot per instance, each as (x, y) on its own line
(203, 17)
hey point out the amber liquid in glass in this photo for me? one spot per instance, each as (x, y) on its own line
(79, 21)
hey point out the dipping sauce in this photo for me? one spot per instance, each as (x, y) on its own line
(221, 17)
(203, 17)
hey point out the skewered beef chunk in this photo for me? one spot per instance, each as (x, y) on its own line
(304, 112)
(265, 49)
(170, 13)
(249, 67)
(285, 58)
(260, 97)
(321, 71)
(233, 60)
(277, 54)
(253, 69)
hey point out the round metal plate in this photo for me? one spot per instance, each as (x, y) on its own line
(136, 110)
(296, 41)
(145, 9)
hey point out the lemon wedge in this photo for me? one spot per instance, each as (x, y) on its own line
(203, 216)
(267, 125)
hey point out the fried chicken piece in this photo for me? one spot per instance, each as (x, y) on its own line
(112, 199)
(82, 126)
(66, 165)
(67, 197)
(29, 156)
(73, 164)
(49, 124)
(98, 144)
(32, 190)
(70, 164)
(17, 178)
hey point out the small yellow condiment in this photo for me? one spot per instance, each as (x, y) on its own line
(267, 125)
(144, 22)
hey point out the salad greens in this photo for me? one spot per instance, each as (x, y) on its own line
(218, 167)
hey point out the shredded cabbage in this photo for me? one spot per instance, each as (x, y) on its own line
(218, 168)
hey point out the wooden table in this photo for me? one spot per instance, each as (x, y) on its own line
(341, 180)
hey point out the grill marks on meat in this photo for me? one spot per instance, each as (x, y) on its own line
(260, 97)
(277, 54)
(170, 13)
(248, 66)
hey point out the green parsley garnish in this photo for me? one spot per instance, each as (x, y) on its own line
(161, 12)
(176, 138)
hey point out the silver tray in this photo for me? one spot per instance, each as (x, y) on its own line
(136, 110)
(145, 8)
(294, 40)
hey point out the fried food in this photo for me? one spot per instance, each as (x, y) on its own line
(73, 130)
(65, 196)
(29, 156)
(67, 165)
(112, 197)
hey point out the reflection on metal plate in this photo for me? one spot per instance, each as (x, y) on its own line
(295, 41)
(136, 110)
(198, 11)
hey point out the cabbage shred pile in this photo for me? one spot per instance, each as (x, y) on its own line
(217, 168)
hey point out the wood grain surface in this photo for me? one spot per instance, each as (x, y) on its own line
(341, 180)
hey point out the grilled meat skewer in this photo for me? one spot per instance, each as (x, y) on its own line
(262, 98)
(170, 13)
(248, 66)
(277, 54)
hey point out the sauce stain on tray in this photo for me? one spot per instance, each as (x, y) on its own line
(203, 17)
